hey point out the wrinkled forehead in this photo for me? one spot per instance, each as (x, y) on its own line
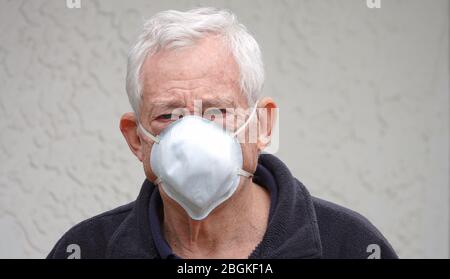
(205, 71)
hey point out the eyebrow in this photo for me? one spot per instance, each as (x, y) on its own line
(164, 104)
(218, 102)
(169, 104)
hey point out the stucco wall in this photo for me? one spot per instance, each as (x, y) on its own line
(363, 96)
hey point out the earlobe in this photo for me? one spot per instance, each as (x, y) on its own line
(128, 127)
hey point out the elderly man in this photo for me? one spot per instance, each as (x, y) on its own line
(194, 81)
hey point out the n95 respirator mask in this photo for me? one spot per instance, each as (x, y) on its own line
(197, 163)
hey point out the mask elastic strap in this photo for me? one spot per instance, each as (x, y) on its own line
(147, 134)
(244, 173)
(248, 120)
(158, 181)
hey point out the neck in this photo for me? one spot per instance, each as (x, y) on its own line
(232, 230)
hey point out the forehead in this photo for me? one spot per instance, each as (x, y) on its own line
(205, 70)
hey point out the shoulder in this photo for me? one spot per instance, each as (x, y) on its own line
(92, 234)
(345, 233)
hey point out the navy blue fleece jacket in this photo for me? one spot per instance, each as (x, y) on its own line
(300, 226)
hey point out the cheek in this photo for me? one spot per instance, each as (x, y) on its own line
(146, 149)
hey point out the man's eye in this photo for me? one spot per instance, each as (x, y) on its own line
(169, 116)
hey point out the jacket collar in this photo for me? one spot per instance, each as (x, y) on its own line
(291, 233)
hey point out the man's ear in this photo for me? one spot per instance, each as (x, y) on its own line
(128, 127)
(267, 113)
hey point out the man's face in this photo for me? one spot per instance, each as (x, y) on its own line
(177, 79)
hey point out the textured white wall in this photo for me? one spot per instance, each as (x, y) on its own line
(363, 96)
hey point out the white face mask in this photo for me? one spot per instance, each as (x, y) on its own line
(198, 163)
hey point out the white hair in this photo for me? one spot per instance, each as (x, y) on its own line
(174, 29)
